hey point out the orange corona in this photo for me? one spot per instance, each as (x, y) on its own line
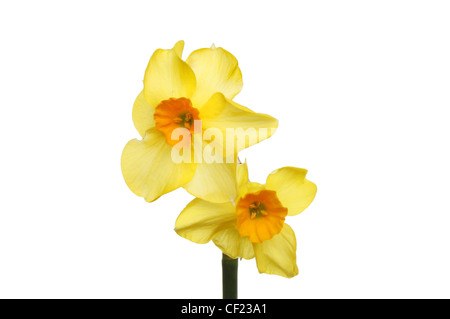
(260, 216)
(175, 113)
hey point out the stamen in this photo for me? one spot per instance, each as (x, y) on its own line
(257, 209)
(254, 205)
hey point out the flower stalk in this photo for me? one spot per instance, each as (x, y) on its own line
(229, 277)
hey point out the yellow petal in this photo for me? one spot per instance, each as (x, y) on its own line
(200, 221)
(293, 190)
(168, 76)
(178, 48)
(242, 175)
(251, 187)
(234, 245)
(143, 115)
(240, 128)
(277, 256)
(216, 70)
(148, 169)
(239, 106)
(214, 182)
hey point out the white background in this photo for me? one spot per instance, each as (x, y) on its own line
(361, 91)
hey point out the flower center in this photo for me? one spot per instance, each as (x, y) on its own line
(175, 113)
(260, 216)
(257, 209)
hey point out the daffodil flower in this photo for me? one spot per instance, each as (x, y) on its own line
(178, 94)
(253, 226)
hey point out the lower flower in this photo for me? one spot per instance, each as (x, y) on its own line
(253, 226)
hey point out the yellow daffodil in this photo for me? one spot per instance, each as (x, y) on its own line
(254, 224)
(179, 94)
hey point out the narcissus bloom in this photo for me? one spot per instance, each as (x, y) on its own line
(254, 224)
(179, 94)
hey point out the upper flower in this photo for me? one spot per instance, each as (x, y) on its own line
(182, 100)
(253, 225)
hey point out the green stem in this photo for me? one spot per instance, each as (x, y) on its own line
(229, 277)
